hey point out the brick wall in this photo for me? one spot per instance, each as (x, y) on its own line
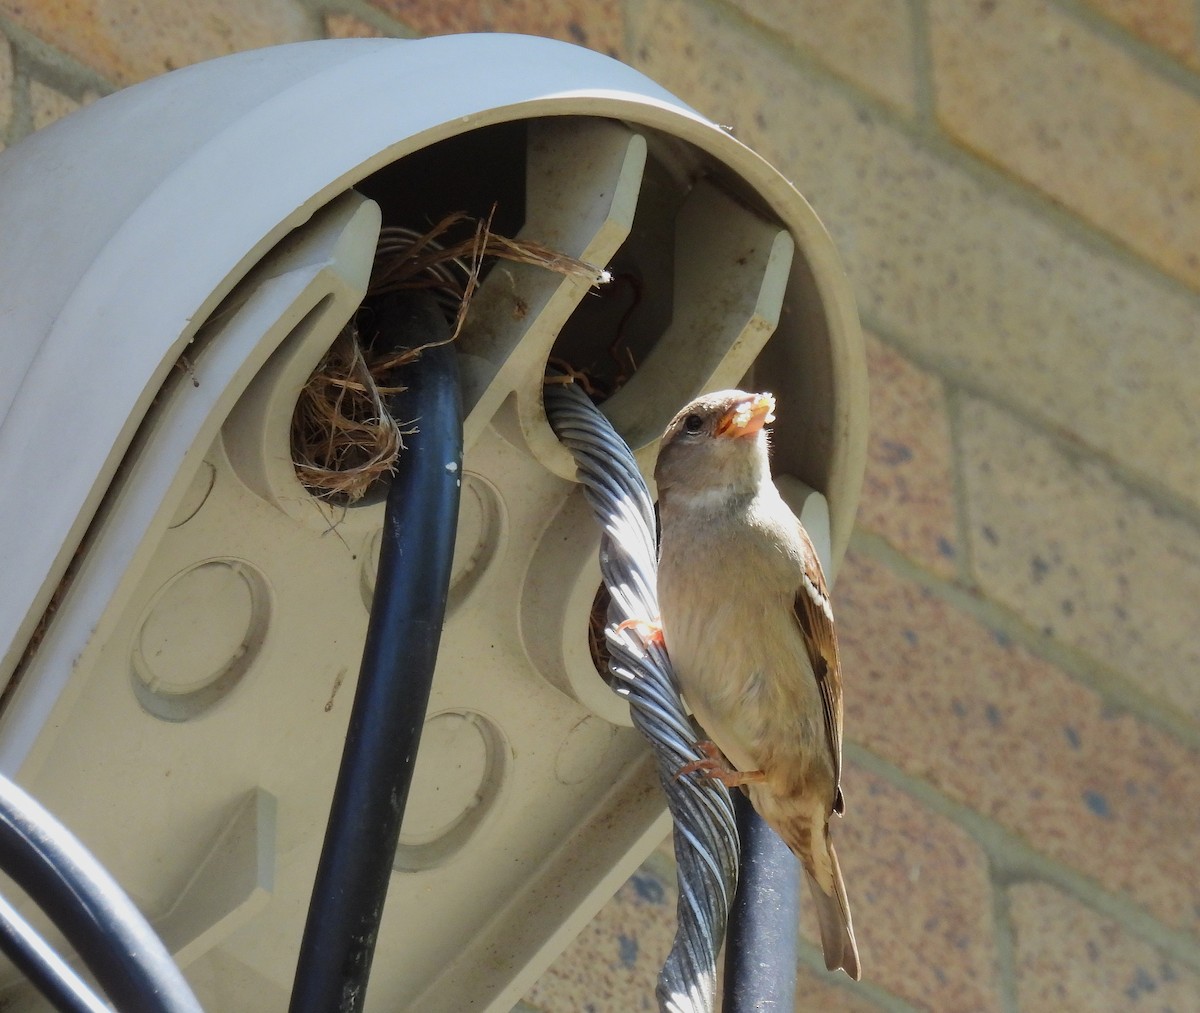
(1015, 188)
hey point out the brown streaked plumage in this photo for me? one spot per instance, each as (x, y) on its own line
(747, 622)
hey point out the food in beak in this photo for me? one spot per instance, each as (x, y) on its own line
(749, 417)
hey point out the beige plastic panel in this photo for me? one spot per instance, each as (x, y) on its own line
(237, 607)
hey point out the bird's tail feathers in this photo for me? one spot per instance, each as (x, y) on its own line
(833, 916)
(803, 822)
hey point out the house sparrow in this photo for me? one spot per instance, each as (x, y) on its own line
(748, 625)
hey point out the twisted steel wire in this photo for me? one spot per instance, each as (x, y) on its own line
(705, 831)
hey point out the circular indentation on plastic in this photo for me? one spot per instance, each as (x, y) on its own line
(480, 533)
(583, 749)
(196, 495)
(462, 767)
(199, 637)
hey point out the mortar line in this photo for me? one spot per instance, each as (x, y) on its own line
(1004, 935)
(1114, 689)
(811, 959)
(925, 97)
(1015, 860)
(1167, 500)
(802, 57)
(965, 563)
(20, 121)
(628, 11)
(15, 80)
(1003, 183)
(1146, 54)
(365, 12)
(52, 66)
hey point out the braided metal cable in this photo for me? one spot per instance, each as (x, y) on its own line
(705, 832)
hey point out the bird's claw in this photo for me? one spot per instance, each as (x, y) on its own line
(649, 630)
(713, 766)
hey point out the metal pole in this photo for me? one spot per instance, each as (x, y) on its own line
(394, 680)
(764, 925)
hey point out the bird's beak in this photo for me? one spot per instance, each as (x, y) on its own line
(748, 417)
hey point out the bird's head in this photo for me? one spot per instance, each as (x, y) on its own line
(716, 446)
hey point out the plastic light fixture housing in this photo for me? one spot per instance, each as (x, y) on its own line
(182, 622)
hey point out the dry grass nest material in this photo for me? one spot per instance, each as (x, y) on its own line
(344, 438)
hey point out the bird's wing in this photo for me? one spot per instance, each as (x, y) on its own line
(814, 613)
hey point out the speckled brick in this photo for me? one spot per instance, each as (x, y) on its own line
(947, 265)
(597, 24)
(1036, 91)
(347, 26)
(1009, 735)
(908, 489)
(870, 42)
(1168, 24)
(128, 40)
(820, 990)
(920, 896)
(1081, 557)
(1068, 957)
(613, 963)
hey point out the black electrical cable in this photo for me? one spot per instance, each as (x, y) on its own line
(764, 924)
(52, 976)
(85, 903)
(407, 612)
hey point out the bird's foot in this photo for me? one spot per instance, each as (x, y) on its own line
(650, 630)
(714, 766)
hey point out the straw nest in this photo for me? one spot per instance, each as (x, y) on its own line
(344, 437)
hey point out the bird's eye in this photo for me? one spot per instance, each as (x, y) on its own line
(693, 424)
